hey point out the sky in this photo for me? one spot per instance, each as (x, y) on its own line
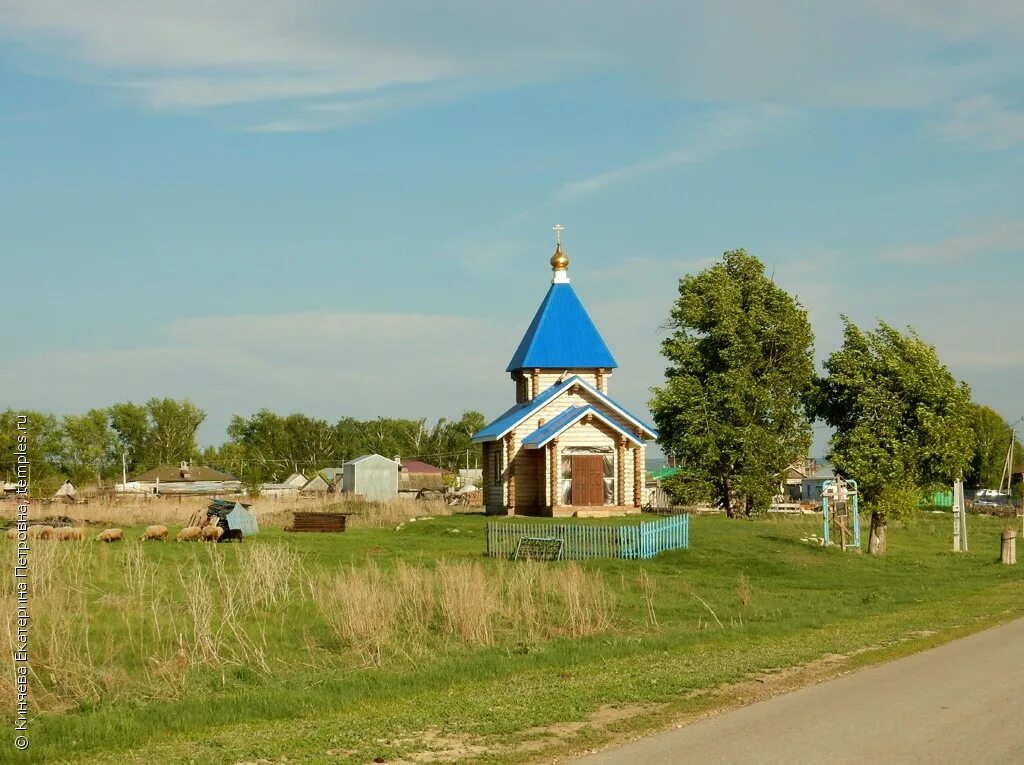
(345, 209)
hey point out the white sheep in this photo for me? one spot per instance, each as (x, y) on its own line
(156, 533)
(110, 535)
(189, 534)
(40, 532)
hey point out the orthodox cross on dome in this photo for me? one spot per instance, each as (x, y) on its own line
(559, 261)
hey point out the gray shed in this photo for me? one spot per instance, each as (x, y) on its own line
(371, 476)
(317, 484)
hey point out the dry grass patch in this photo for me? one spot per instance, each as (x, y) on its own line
(383, 614)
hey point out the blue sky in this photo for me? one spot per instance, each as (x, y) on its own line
(346, 209)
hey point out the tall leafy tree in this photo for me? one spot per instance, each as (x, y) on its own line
(229, 457)
(89, 445)
(264, 443)
(733, 406)
(312, 443)
(991, 444)
(173, 426)
(348, 439)
(44, 448)
(901, 420)
(458, 445)
(131, 426)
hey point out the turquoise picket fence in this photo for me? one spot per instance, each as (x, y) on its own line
(581, 541)
(938, 499)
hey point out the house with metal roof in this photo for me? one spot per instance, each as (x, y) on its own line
(316, 485)
(183, 478)
(325, 480)
(566, 447)
(295, 480)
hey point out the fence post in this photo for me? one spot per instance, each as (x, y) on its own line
(1008, 547)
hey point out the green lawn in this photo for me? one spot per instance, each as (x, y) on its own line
(748, 598)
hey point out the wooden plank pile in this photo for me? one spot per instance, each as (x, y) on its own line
(321, 522)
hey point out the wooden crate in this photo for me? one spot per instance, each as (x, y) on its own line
(330, 523)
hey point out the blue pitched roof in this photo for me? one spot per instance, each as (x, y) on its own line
(512, 417)
(509, 419)
(561, 336)
(573, 414)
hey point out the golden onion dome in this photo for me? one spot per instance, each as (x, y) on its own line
(559, 261)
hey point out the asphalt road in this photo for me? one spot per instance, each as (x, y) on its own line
(962, 702)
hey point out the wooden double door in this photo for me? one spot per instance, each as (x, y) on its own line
(587, 479)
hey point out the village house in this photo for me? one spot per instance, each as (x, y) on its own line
(287, 489)
(183, 478)
(813, 484)
(316, 485)
(415, 476)
(326, 480)
(566, 448)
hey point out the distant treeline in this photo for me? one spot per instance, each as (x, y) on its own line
(92, 448)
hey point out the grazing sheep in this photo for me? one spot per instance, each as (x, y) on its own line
(69, 534)
(40, 532)
(110, 535)
(156, 533)
(189, 534)
(212, 533)
(12, 533)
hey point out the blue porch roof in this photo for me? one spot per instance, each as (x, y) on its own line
(509, 419)
(561, 336)
(570, 417)
(512, 417)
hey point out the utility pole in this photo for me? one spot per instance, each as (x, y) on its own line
(959, 517)
(1007, 477)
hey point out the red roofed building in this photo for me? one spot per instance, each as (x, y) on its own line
(414, 475)
(415, 466)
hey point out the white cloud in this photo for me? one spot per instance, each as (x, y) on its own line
(984, 122)
(995, 238)
(723, 131)
(342, 112)
(200, 54)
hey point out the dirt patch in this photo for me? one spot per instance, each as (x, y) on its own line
(542, 737)
(436, 746)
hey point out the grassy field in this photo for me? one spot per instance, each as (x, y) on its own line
(403, 644)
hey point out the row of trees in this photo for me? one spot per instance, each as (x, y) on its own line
(741, 394)
(95, 447)
(269, 447)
